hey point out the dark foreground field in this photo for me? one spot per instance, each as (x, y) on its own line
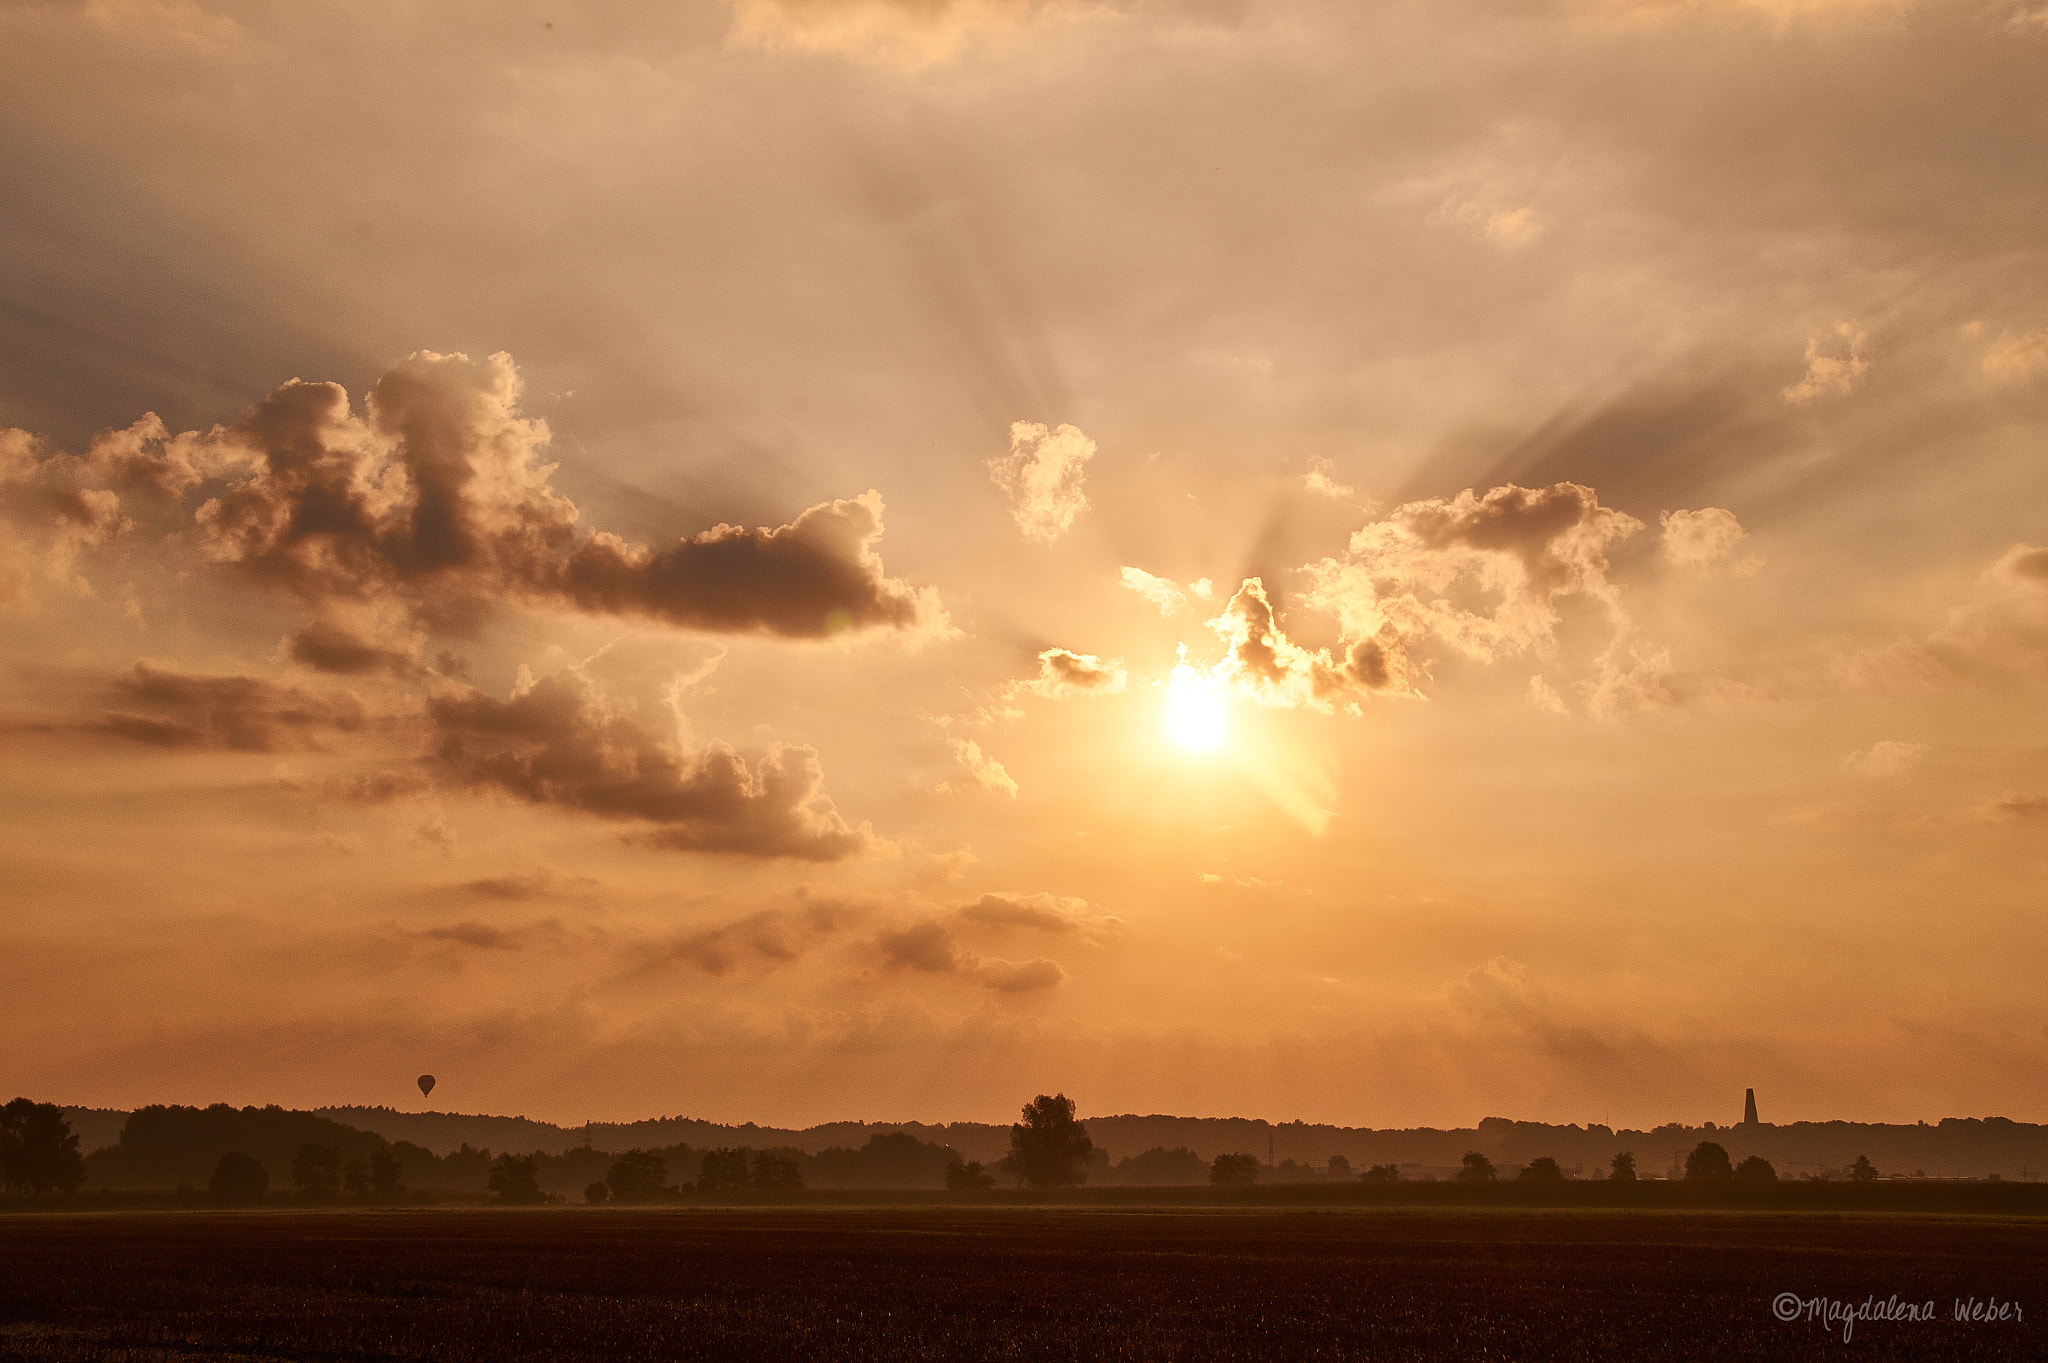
(565, 1284)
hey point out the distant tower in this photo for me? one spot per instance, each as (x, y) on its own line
(1749, 1107)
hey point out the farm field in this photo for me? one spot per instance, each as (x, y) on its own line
(1038, 1283)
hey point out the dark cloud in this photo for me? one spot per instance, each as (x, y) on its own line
(556, 744)
(765, 940)
(237, 713)
(436, 500)
(490, 937)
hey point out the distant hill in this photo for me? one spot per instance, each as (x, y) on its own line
(1952, 1148)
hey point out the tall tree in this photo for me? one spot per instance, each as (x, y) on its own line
(38, 1152)
(1708, 1163)
(1049, 1148)
(516, 1179)
(1624, 1167)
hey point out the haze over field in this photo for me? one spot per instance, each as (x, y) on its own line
(801, 560)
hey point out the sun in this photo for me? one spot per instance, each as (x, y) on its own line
(1196, 717)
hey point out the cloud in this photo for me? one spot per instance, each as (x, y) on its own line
(1262, 664)
(2013, 809)
(1043, 475)
(1998, 633)
(556, 743)
(1888, 757)
(1320, 480)
(490, 937)
(988, 773)
(435, 500)
(930, 946)
(898, 32)
(1063, 672)
(1700, 539)
(767, 939)
(1837, 374)
(1046, 912)
(226, 712)
(2018, 356)
(1483, 574)
(1165, 595)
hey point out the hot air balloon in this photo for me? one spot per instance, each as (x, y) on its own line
(426, 1084)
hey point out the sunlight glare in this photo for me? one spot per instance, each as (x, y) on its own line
(1196, 717)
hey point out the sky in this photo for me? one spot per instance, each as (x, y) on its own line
(795, 560)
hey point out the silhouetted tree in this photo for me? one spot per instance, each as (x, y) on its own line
(1863, 1171)
(723, 1172)
(1161, 1167)
(637, 1176)
(316, 1172)
(1048, 1148)
(38, 1152)
(355, 1178)
(1542, 1169)
(1340, 1167)
(776, 1174)
(1234, 1171)
(1755, 1169)
(1478, 1169)
(384, 1175)
(1708, 1163)
(1624, 1167)
(238, 1179)
(596, 1193)
(969, 1177)
(1381, 1173)
(516, 1179)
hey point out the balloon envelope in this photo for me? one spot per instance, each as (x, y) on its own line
(426, 1084)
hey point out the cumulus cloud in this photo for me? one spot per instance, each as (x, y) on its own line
(2013, 809)
(988, 774)
(431, 507)
(556, 743)
(1063, 672)
(1700, 539)
(435, 499)
(2016, 357)
(1834, 367)
(1043, 475)
(1263, 665)
(1483, 574)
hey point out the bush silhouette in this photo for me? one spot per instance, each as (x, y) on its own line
(1863, 1171)
(1160, 1167)
(595, 1194)
(238, 1179)
(1542, 1169)
(1340, 1167)
(1755, 1169)
(1708, 1163)
(1624, 1167)
(1048, 1148)
(1381, 1173)
(38, 1152)
(969, 1177)
(637, 1176)
(516, 1180)
(316, 1172)
(776, 1174)
(385, 1182)
(1234, 1171)
(723, 1172)
(1478, 1169)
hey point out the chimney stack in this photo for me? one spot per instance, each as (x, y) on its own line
(1749, 1107)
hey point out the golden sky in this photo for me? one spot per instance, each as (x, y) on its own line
(809, 559)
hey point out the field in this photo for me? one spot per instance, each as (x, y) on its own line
(1025, 1283)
